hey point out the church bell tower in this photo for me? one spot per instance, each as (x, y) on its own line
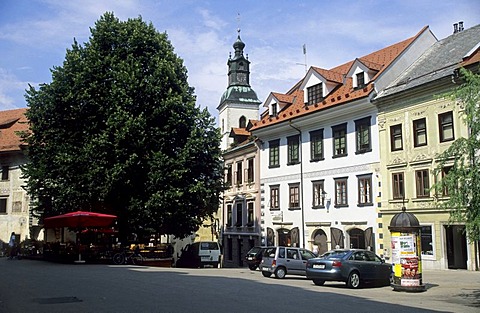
(239, 103)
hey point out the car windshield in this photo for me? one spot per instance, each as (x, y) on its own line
(334, 255)
(254, 250)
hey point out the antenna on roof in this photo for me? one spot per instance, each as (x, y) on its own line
(305, 54)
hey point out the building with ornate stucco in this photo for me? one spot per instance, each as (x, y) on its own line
(417, 123)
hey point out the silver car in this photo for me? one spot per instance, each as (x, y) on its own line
(352, 266)
(284, 260)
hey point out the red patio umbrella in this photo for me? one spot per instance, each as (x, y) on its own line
(79, 219)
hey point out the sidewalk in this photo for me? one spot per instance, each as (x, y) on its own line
(453, 286)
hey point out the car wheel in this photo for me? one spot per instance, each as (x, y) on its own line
(391, 279)
(266, 274)
(353, 280)
(280, 273)
(318, 282)
(252, 267)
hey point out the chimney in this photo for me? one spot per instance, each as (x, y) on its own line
(455, 28)
(460, 26)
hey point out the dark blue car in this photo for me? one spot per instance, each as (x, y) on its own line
(352, 266)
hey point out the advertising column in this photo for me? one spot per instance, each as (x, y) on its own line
(406, 259)
(405, 231)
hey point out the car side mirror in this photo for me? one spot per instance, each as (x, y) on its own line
(383, 260)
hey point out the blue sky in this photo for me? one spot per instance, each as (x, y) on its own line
(34, 36)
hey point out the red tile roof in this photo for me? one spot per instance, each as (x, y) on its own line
(329, 75)
(11, 122)
(371, 65)
(344, 93)
(239, 132)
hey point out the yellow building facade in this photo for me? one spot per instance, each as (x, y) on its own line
(417, 123)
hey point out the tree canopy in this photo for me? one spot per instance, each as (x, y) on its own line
(118, 131)
(462, 158)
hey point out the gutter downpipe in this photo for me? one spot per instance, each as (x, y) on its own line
(301, 181)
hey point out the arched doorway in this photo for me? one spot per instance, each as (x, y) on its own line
(357, 238)
(320, 240)
(284, 238)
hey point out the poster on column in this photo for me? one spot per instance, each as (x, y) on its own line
(409, 260)
(395, 247)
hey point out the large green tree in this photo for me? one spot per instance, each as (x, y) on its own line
(118, 131)
(462, 158)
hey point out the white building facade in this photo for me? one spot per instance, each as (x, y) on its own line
(319, 153)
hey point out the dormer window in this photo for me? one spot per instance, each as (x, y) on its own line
(360, 80)
(315, 94)
(274, 110)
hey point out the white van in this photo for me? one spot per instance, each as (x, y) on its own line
(200, 254)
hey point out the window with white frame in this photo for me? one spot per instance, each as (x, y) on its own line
(445, 125)
(315, 93)
(318, 193)
(274, 109)
(362, 134)
(275, 197)
(239, 173)
(316, 145)
(339, 140)
(427, 240)
(341, 192)
(396, 140)
(293, 147)
(360, 80)
(422, 182)
(420, 132)
(398, 188)
(365, 190)
(274, 153)
(294, 196)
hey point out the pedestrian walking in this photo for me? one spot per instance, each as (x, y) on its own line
(12, 246)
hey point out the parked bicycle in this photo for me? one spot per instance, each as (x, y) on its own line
(128, 257)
